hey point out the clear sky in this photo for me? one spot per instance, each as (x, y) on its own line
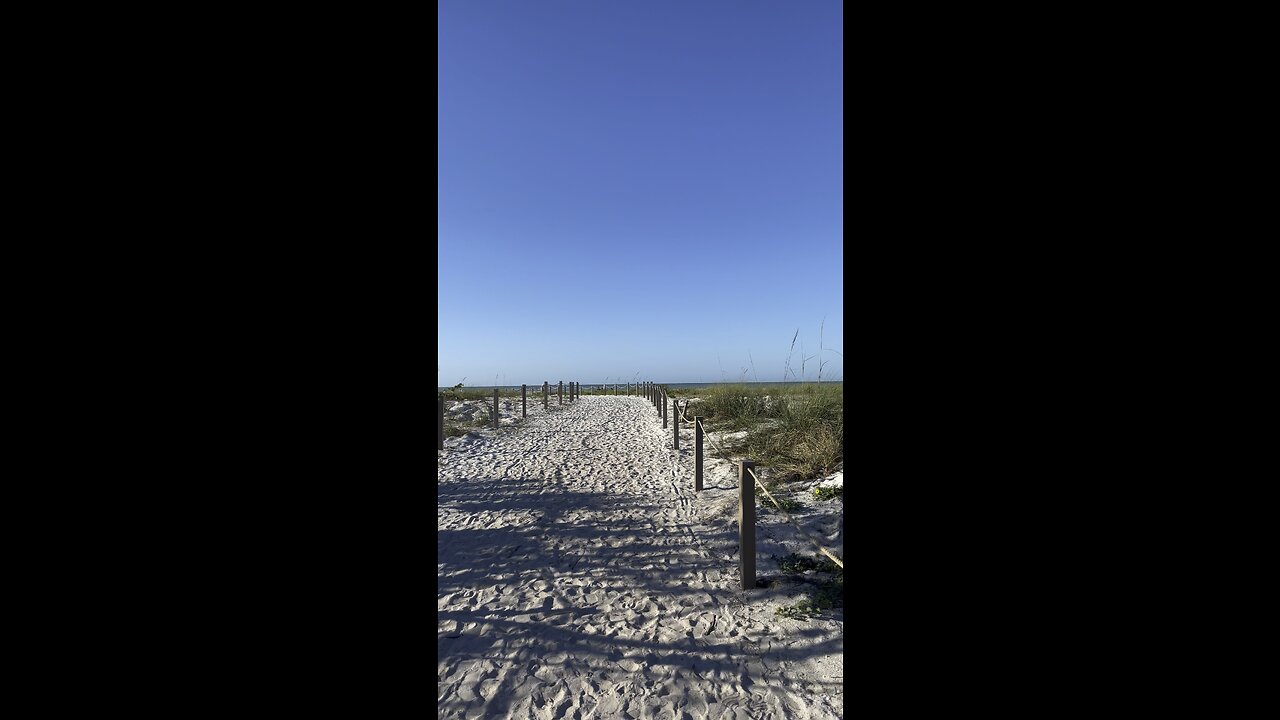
(633, 187)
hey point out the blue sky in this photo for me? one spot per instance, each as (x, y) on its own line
(639, 187)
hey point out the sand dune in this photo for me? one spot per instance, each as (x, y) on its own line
(580, 576)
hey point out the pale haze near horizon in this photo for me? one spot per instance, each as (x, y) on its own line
(649, 190)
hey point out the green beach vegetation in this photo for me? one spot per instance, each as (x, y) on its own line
(797, 431)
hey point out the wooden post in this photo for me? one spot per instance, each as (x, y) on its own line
(546, 387)
(662, 398)
(675, 422)
(495, 408)
(747, 524)
(697, 453)
(561, 396)
(440, 417)
(524, 407)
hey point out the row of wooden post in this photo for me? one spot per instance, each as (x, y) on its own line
(658, 395)
(575, 392)
(746, 483)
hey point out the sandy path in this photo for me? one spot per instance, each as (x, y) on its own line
(580, 577)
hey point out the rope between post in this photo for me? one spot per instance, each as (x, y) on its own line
(792, 520)
(707, 436)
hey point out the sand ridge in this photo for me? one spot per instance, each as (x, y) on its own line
(580, 576)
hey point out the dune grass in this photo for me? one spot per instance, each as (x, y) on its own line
(466, 393)
(795, 430)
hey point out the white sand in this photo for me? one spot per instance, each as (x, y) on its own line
(580, 576)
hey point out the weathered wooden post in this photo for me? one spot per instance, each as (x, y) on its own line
(524, 407)
(747, 524)
(440, 417)
(561, 396)
(697, 453)
(546, 392)
(675, 422)
(495, 408)
(662, 398)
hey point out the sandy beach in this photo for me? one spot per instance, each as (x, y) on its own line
(580, 576)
